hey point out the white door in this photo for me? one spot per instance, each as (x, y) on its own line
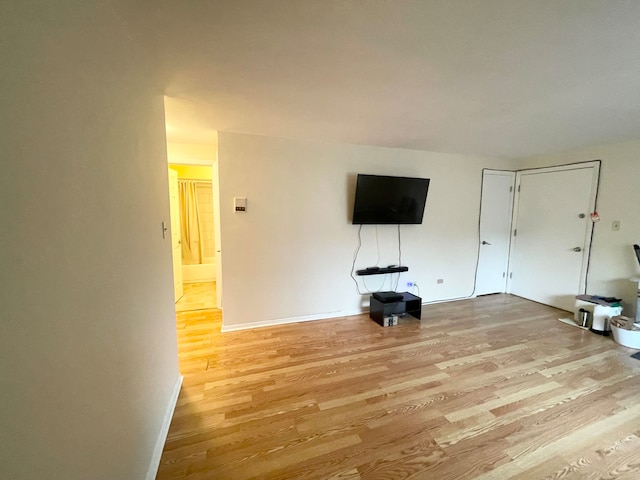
(552, 233)
(496, 207)
(215, 182)
(176, 245)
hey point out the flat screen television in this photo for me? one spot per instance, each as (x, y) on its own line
(384, 200)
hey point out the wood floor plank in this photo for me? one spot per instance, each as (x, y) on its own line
(492, 387)
(558, 444)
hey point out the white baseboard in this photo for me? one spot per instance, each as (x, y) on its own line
(284, 321)
(162, 437)
(319, 316)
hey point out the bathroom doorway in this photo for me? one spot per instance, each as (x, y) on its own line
(196, 221)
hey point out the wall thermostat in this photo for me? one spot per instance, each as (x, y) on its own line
(240, 204)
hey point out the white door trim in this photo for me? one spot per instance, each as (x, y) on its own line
(593, 198)
(512, 175)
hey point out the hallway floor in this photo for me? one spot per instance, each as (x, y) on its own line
(197, 296)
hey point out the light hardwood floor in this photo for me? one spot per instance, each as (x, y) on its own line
(491, 388)
(197, 296)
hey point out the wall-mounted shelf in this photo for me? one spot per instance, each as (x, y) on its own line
(380, 271)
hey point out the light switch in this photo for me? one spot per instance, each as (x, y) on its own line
(240, 204)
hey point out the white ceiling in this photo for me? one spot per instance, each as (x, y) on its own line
(510, 78)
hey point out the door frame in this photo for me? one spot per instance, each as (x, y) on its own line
(174, 214)
(215, 182)
(593, 203)
(512, 174)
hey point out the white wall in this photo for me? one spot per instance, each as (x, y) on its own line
(289, 256)
(190, 152)
(612, 257)
(87, 337)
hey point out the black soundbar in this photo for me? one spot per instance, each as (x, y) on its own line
(381, 270)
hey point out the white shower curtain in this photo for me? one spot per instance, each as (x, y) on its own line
(190, 224)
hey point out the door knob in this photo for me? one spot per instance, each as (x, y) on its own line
(484, 242)
(577, 249)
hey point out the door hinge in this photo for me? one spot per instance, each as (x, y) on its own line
(511, 275)
(503, 275)
(515, 232)
(518, 188)
(510, 189)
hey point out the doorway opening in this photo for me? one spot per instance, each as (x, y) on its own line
(192, 216)
(192, 156)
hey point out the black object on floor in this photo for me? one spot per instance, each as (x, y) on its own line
(387, 297)
(636, 356)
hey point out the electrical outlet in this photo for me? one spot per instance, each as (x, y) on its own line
(615, 225)
(440, 281)
(410, 284)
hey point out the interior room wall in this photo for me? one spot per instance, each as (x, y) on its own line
(612, 259)
(88, 352)
(289, 256)
(183, 152)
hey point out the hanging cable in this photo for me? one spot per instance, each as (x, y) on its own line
(593, 227)
(475, 275)
(355, 257)
(353, 267)
(379, 289)
(395, 288)
(399, 248)
(377, 247)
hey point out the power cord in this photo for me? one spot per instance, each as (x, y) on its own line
(593, 228)
(355, 257)
(377, 248)
(384, 280)
(399, 247)
(475, 275)
(395, 288)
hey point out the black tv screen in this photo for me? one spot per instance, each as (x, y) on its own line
(389, 200)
